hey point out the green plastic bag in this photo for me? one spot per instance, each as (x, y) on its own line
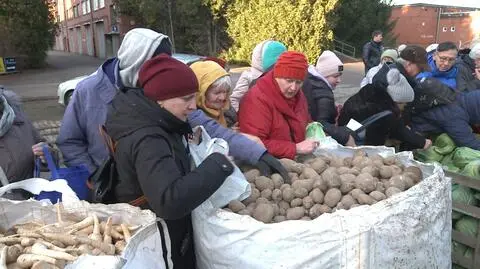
(463, 156)
(467, 225)
(463, 195)
(428, 155)
(472, 169)
(444, 144)
(315, 131)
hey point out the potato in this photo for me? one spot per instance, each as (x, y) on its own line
(291, 174)
(262, 200)
(347, 162)
(317, 196)
(397, 182)
(263, 213)
(266, 193)
(380, 187)
(320, 183)
(277, 181)
(390, 160)
(304, 183)
(244, 212)
(355, 205)
(296, 202)
(331, 178)
(253, 196)
(284, 205)
(336, 162)
(315, 211)
(356, 192)
(332, 197)
(392, 191)
(339, 206)
(308, 202)
(300, 192)
(378, 196)
(295, 213)
(386, 172)
(416, 171)
(366, 182)
(343, 170)
(306, 218)
(292, 166)
(409, 182)
(276, 209)
(288, 194)
(251, 206)
(348, 183)
(365, 199)
(347, 201)
(319, 165)
(236, 206)
(284, 186)
(355, 171)
(277, 195)
(372, 170)
(263, 183)
(251, 175)
(396, 170)
(377, 163)
(278, 219)
(308, 173)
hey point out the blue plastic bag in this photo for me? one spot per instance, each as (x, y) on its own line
(76, 177)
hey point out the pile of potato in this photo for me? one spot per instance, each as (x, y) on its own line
(324, 184)
(50, 246)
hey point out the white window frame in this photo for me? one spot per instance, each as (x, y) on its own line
(84, 7)
(95, 4)
(445, 29)
(101, 3)
(452, 29)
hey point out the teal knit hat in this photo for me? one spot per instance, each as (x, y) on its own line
(271, 52)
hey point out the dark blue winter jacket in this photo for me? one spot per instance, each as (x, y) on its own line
(454, 119)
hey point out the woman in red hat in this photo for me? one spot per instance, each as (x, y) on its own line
(276, 111)
(152, 156)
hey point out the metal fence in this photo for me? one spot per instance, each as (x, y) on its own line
(344, 48)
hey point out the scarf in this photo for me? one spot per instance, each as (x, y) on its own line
(8, 115)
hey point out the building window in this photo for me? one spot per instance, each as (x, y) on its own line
(75, 11)
(101, 3)
(95, 4)
(84, 7)
(452, 29)
(445, 29)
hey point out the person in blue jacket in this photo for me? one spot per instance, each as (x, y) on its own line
(442, 62)
(79, 139)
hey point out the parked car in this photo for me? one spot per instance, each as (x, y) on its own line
(65, 89)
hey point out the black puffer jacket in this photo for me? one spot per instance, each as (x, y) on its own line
(152, 160)
(372, 53)
(466, 80)
(321, 106)
(371, 100)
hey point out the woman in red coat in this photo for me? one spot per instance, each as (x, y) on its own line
(276, 111)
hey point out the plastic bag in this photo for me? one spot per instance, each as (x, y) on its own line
(315, 131)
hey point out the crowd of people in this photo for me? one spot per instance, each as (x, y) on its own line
(148, 102)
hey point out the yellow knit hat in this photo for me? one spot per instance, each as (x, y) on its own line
(207, 73)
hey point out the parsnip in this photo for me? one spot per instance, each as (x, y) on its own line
(96, 235)
(3, 258)
(27, 260)
(12, 253)
(10, 240)
(66, 239)
(119, 247)
(107, 237)
(119, 229)
(85, 249)
(126, 232)
(26, 242)
(14, 266)
(40, 249)
(82, 224)
(113, 232)
(44, 265)
(109, 249)
(97, 252)
(86, 231)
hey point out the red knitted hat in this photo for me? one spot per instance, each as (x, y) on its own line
(164, 77)
(291, 64)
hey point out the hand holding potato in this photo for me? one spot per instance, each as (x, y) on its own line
(307, 146)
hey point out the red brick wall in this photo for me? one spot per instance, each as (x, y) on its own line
(418, 25)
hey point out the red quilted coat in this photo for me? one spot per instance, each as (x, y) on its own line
(279, 122)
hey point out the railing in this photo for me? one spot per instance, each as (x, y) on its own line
(344, 48)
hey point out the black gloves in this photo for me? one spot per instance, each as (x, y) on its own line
(269, 164)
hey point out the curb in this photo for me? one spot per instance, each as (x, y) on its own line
(38, 98)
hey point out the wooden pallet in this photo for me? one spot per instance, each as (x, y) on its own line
(473, 211)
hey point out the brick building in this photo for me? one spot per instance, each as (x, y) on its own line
(90, 27)
(427, 23)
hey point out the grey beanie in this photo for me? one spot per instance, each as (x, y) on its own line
(398, 87)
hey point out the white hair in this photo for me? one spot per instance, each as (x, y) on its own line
(223, 82)
(475, 52)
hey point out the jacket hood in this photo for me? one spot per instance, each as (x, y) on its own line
(313, 72)
(137, 47)
(12, 98)
(207, 72)
(266, 54)
(257, 59)
(131, 111)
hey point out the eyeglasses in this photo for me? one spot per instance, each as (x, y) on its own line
(446, 59)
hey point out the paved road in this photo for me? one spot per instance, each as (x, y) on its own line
(38, 88)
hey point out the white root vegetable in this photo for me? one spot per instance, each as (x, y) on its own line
(12, 253)
(52, 246)
(126, 232)
(86, 231)
(66, 239)
(82, 224)
(113, 232)
(96, 235)
(40, 249)
(26, 242)
(10, 240)
(119, 229)
(107, 238)
(97, 252)
(85, 249)
(44, 265)
(27, 260)
(3, 258)
(59, 208)
(13, 266)
(120, 246)
(108, 249)
(27, 233)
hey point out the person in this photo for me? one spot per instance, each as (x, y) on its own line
(389, 56)
(372, 50)
(152, 155)
(322, 79)
(468, 76)
(442, 64)
(20, 143)
(264, 55)
(276, 110)
(79, 139)
(374, 98)
(438, 109)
